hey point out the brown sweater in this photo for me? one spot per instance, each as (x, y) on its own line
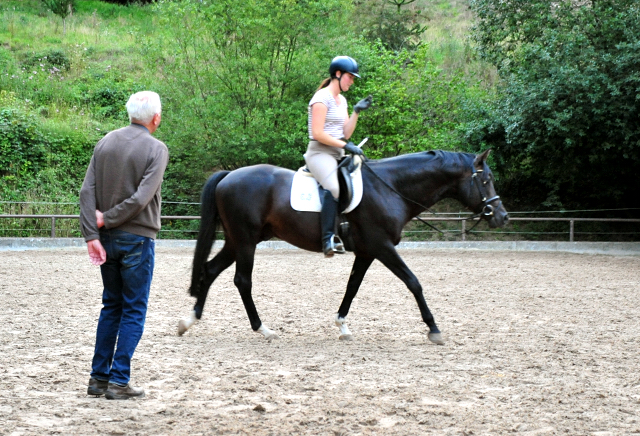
(123, 182)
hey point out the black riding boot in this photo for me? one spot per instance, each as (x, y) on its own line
(328, 224)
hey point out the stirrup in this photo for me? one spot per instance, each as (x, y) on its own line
(336, 246)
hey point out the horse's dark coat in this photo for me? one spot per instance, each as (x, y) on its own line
(252, 204)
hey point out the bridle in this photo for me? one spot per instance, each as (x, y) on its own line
(485, 207)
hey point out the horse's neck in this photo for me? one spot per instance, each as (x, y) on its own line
(424, 182)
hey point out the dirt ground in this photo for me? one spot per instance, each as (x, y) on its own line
(537, 344)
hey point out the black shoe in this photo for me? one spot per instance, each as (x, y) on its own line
(97, 387)
(117, 392)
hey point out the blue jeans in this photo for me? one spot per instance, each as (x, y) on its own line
(126, 276)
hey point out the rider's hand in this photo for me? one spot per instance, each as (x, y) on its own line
(363, 104)
(353, 149)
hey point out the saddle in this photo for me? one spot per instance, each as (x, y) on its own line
(305, 193)
(305, 190)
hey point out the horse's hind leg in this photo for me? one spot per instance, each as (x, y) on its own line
(359, 269)
(213, 269)
(242, 280)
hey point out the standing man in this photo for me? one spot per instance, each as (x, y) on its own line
(119, 219)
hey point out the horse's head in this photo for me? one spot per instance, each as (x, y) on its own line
(479, 195)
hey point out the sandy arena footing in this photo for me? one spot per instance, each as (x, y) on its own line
(537, 343)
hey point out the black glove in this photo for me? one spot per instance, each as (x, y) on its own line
(363, 104)
(353, 149)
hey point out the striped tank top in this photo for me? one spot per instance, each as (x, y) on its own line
(336, 114)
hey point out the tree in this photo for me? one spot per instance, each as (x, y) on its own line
(397, 29)
(61, 8)
(238, 77)
(566, 129)
(417, 107)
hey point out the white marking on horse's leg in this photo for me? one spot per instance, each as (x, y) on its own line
(187, 322)
(436, 338)
(268, 333)
(345, 333)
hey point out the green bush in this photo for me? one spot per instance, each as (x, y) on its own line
(108, 97)
(416, 105)
(134, 11)
(61, 8)
(22, 145)
(236, 81)
(51, 58)
(39, 158)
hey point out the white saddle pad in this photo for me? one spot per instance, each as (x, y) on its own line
(305, 196)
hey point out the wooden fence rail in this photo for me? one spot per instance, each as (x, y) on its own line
(463, 221)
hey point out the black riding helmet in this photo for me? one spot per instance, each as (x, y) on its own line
(345, 64)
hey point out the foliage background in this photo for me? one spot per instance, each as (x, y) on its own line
(566, 125)
(554, 92)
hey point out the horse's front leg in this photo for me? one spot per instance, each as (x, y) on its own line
(392, 260)
(359, 269)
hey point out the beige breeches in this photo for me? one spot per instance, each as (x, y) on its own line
(324, 168)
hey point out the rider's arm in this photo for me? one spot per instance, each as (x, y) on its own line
(350, 125)
(318, 116)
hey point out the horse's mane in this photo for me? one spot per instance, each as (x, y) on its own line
(439, 159)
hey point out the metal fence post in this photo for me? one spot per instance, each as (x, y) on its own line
(53, 227)
(464, 230)
(571, 231)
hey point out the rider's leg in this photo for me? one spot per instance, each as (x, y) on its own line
(328, 224)
(324, 168)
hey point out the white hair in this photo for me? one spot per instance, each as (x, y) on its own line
(143, 105)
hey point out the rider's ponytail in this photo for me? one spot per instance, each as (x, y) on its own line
(324, 83)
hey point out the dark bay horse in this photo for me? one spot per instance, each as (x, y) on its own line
(253, 204)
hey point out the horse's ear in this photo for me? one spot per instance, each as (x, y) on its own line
(478, 163)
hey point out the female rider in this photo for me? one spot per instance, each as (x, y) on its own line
(330, 128)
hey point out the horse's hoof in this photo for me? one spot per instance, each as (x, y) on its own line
(272, 337)
(346, 337)
(182, 327)
(436, 338)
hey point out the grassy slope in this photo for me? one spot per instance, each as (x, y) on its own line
(101, 40)
(448, 26)
(100, 44)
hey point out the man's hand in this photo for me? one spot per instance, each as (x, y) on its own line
(97, 254)
(99, 219)
(363, 104)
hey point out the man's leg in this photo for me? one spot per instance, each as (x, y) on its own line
(109, 321)
(136, 271)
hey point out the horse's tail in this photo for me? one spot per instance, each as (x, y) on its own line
(207, 233)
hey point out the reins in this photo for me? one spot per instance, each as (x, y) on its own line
(486, 211)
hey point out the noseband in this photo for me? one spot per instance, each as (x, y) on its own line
(485, 206)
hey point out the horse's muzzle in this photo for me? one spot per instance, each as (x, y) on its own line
(499, 218)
